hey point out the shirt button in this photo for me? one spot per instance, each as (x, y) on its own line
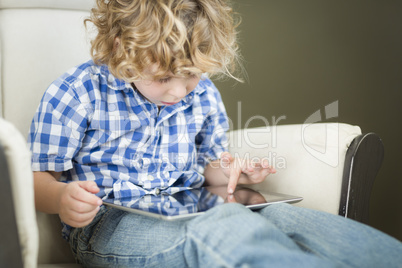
(157, 191)
(146, 162)
(140, 162)
(150, 177)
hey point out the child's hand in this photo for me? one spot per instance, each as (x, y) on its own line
(244, 172)
(77, 204)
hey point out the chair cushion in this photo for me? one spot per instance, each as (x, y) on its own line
(52, 247)
(37, 47)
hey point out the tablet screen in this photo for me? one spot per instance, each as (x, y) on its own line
(189, 202)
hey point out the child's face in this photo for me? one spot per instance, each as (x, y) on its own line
(167, 91)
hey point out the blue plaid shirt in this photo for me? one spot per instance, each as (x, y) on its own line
(93, 126)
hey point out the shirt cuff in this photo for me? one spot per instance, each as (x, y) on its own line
(56, 163)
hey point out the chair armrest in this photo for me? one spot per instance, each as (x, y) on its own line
(362, 163)
(10, 252)
(309, 159)
(18, 158)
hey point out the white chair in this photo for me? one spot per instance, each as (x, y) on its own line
(332, 165)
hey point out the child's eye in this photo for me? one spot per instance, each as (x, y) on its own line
(164, 80)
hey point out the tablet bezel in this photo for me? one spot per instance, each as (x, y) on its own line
(270, 197)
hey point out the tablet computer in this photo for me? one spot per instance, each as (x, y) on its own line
(190, 202)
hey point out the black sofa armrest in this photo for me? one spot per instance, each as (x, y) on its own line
(362, 162)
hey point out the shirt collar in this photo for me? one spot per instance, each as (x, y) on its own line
(199, 89)
(113, 82)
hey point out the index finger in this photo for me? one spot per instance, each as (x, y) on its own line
(231, 199)
(85, 196)
(233, 178)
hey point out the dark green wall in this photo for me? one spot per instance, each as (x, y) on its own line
(303, 55)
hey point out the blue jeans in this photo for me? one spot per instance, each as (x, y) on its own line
(230, 235)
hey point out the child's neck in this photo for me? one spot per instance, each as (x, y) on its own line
(135, 88)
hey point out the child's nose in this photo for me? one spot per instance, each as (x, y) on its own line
(179, 90)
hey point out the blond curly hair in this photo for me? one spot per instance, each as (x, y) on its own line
(183, 37)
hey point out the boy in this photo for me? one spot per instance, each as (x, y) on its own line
(158, 116)
(140, 119)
